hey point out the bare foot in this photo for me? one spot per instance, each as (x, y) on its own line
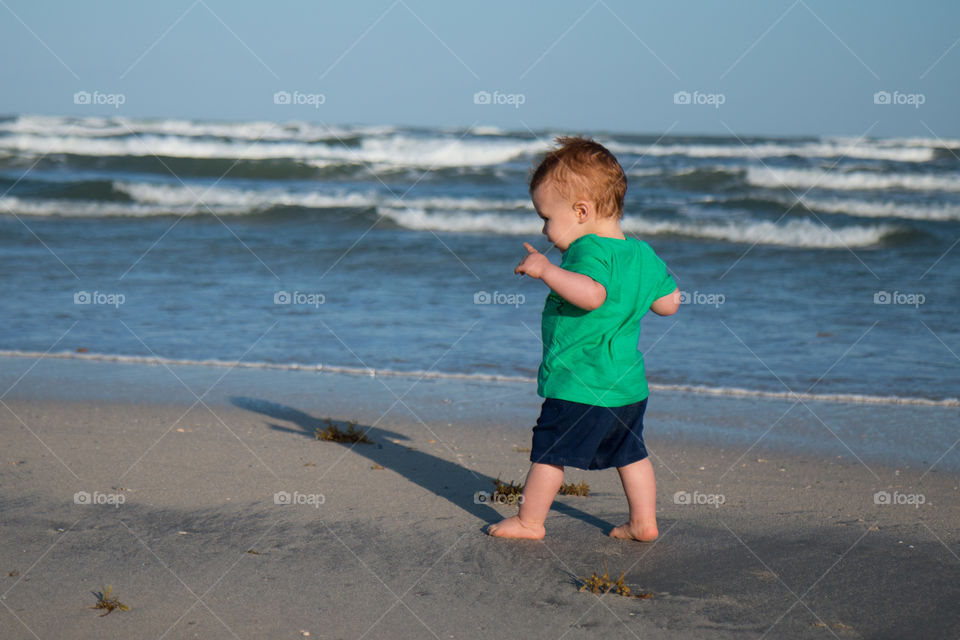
(514, 528)
(629, 532)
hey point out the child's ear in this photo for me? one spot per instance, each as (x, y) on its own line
(582, 210)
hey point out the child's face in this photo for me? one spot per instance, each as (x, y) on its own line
(562, 219)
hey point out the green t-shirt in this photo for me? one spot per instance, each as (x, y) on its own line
(592, 357)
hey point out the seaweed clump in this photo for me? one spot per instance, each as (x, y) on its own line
(603, 584)
(507, 492)
(109, 602)
(575, 489)
(333, 433)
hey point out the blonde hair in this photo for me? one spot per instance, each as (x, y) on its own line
(584, 169)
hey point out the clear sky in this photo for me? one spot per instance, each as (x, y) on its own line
(782, 67)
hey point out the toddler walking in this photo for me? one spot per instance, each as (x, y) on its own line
(592, 375)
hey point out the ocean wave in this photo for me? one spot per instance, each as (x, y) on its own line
(848, 206)
(178, 195)
(794, 233)
(154, 145)
(99, 209)
(806, 234)
(846, 398)
(854, 180)
(452, 221)
(464, 214)
(390, 145)
(94, 127)
(150, 199)
(393, 150)
(884, 209)
(934, 143)
(38, 126)
(850, 398)
(781, 150)
(691, 178)
(445, 152)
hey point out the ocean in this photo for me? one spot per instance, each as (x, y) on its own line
(819, 265)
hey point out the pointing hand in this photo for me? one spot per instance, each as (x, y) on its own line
(534, 263)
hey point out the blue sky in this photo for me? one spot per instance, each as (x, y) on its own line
(781, 67)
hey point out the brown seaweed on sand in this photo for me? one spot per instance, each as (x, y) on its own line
(574, 489)
(109, 602)
(334, 433)
(603, 584)
(507, 492)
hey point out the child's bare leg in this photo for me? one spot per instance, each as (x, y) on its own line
(541, 488)
(641, 488)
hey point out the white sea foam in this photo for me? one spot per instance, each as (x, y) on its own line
(443, 152)
(795, 233)
(847, 398)
(780, 150)
(851, 398)
(255, 130)
(882, 209)
(155, 145)
(96, 209)
(465, 215)
(488, 130)
(393, 150)
(646, 171)
(503, 223)
(936, 143)
(178, 195)
(152, 199)
(854, 180)
(28, 134)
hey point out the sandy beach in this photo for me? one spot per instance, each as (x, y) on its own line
(280, 283)
(201, 496)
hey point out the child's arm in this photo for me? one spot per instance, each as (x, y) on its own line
(576, 288)
(667, 305)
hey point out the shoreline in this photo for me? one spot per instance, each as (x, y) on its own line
(869, 434)
(227, 518)
(735, 392)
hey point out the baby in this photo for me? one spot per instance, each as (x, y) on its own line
(592, 376)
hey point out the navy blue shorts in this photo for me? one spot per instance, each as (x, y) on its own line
(588, 437)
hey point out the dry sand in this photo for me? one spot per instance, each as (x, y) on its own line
(385, 540)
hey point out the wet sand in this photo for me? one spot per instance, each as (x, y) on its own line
(226, 518)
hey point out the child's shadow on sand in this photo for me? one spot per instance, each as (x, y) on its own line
(446, 479)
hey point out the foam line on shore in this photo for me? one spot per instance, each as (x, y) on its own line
(735, 392)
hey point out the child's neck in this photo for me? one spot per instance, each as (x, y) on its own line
(606, 228)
